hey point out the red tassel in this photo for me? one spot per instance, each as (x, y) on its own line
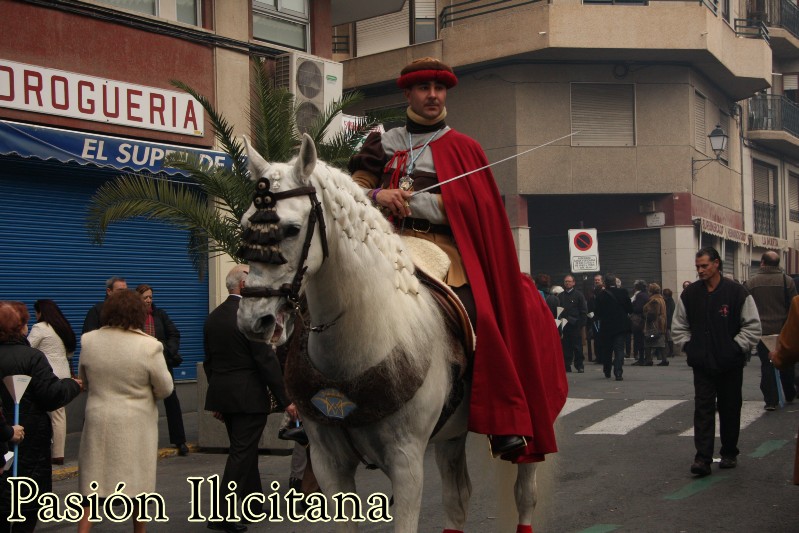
(524, 529)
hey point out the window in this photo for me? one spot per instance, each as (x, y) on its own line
(793, 196)
(283, 22)
(765, 198)
(700, 128)
(603, 114)
(790, 87)
(186, 11)
(424, 25)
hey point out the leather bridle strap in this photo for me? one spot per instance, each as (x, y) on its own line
(292, 290)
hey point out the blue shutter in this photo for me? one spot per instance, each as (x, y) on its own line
(45, 252)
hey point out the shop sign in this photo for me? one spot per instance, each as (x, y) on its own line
(68, 94)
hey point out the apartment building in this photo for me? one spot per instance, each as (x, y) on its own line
(641, 83)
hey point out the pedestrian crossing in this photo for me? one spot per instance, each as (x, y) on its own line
(645, 411)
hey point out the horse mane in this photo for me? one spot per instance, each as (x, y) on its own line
(363, 229)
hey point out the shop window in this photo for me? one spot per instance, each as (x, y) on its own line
(603, 114)
(283, 22)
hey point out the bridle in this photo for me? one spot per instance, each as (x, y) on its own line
(263, 247)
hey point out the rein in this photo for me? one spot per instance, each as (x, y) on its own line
(265, 202)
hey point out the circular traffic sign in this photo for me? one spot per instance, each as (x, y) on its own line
(583, 241)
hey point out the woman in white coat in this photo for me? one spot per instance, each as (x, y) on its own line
(53, 335)
(124, 372)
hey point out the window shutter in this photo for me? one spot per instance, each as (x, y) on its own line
(603, 113)
(425, 9)
(700, 130)
(790, 82)
(793, 191)
(379, 34)
(761, 174)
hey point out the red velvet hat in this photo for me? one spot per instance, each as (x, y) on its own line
(426, 69)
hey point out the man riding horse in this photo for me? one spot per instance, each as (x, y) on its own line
(518, 381)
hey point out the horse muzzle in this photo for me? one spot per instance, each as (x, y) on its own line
(273, 328)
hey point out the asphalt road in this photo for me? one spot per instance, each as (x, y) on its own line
(623, 466)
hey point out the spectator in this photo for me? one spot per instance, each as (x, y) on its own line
(717, 321)
(8, 435)
(640, 297)
(160, 326)
(574, 311)
(772, 291)
(240, 375)
(787, 354)
(45, 392)
(668, 296)
(655, 329)
(53, 335)
(544, 283)
(124, 371)
(612, 309)
(92, 320)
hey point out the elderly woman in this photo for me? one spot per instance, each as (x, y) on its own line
(45, 392)
(124, 372)
(655, 326)
(53, 335)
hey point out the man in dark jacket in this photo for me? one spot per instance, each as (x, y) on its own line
(92, 320)
(668, 296)
(240, 375)
(717, 321)
(612, 308)
(772, 291)
(575, 310)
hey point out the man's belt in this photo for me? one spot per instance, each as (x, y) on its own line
(422, 225)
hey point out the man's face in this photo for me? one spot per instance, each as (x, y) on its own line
(116, 287)
(568, 282)
(705, 268)
(598, 281)
(427, 99)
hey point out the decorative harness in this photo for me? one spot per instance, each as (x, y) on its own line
(263, 246)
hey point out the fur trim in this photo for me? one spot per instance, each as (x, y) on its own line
(406, 81)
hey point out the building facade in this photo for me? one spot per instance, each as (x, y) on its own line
(86, 95)
(640, 85)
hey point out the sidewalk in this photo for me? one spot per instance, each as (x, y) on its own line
(165, 448)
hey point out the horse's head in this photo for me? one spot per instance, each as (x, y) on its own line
(279, 243)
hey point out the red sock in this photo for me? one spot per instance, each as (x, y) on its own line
(524, 529)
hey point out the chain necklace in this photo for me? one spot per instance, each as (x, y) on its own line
(406, 181)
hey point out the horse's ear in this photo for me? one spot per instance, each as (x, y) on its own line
(306, 161)
(256, 164)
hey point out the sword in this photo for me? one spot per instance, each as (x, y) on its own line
(492, 164)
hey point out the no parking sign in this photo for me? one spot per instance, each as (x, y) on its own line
(583, 250)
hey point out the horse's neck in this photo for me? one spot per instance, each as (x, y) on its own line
(366, 286)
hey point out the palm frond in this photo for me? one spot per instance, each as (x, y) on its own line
(272, 118)
(222, 129)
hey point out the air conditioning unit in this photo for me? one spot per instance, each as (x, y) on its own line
(315, 83)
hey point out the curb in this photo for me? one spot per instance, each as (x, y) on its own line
(71, 471)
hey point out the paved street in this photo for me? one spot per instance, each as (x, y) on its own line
(623, 466)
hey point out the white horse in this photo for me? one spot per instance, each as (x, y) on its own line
(368, 310)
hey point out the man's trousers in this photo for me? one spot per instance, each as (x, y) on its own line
(710, 388)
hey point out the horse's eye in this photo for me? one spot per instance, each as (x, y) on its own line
(291, 231)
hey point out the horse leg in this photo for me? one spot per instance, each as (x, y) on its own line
(525, 493)
(334, 467)
(406, 472)
(456, 487)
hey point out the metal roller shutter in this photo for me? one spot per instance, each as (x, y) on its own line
(45, 252)
(387, 32)
(630, 255)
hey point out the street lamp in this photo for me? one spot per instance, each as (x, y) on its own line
(718, 143)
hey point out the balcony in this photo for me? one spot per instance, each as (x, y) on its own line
(615, 31)
(774, 123)
(782, 19)
(766, 219)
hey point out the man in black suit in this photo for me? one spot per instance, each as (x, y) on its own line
(240, 373)
(612, 308)
(92, 320)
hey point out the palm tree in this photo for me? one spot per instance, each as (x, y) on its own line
(210, 207)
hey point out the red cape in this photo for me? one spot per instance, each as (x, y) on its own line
(519, 383)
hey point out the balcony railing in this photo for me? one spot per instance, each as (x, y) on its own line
(776, 13)
(766, 219)
(475, 8)
(773, 112)
(341, 44)
(752, 28)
